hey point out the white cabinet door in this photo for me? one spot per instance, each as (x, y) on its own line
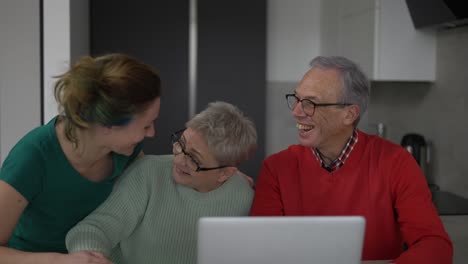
(380, 36)
(356, 34)
(401, 52)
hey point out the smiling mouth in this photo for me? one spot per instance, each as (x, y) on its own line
(304, 127)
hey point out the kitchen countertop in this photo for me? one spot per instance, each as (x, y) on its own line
(450, 204)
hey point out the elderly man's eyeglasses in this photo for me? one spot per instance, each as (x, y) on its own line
(307, 105)
(178, 147)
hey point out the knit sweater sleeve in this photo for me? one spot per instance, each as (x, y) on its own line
(268, 199)
(420, 225)
(117, 217)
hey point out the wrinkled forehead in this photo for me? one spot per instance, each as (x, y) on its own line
(196, 141)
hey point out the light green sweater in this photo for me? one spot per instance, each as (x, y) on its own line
(148, 218)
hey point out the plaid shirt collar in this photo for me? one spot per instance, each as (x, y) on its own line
(340, 161)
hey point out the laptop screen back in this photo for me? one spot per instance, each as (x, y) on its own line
(280, 240)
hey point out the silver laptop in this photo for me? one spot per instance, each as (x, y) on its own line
(280, 240)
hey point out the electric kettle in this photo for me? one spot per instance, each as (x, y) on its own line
(418, 147)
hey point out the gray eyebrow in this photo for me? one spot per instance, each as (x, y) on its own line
(309, 97)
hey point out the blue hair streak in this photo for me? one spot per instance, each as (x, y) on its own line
(118, 122)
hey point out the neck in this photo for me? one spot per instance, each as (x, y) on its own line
(87, 151)
(332, 151)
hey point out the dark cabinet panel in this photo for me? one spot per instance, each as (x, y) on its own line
(231, 61)
(231, 56)
(155, 32)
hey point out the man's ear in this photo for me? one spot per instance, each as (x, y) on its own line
(226, 173)
(352, 113)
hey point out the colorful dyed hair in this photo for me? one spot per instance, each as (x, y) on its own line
(108, 90)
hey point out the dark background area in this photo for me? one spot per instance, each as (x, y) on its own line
(231, 57)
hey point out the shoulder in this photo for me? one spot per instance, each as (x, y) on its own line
(42, 134)
(292, 153)
(36, 147)
(378, 147)
(288, 161)
(41, 137)
(149, 167)
(238, 188)
(389, 159)
(152, 162)
(237, 181)
(25, 166)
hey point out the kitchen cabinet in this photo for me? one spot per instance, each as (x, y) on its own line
(156, 32)
(379, 35)
(457, 228)
(231, 57)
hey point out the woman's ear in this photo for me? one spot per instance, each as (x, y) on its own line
(226, 173)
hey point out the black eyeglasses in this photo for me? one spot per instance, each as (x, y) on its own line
(178, 147)
(307, 105)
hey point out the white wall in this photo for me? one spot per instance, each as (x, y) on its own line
(19, 71)
(293, 38)
(56, 49)
(66, 38)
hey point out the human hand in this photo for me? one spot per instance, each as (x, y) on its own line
(83, 257)
(248, 178)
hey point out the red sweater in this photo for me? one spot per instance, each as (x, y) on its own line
(380, 181)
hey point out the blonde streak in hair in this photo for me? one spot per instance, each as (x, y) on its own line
(72, 120)
(71, 95)
(65, 96)
(113, 66)
(78, 95)
(58, 94)
(64, 86)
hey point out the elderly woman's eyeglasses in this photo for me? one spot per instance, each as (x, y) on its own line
(307, 105)
(178, 147)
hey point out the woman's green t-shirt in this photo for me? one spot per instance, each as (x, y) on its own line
(58, 196)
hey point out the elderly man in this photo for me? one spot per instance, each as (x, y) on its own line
(338, 170)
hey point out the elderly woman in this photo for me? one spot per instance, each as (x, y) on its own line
(151, 215)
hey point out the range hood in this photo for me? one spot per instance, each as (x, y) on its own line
(437, 13)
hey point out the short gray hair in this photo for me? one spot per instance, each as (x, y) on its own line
(356, 85)
(231, 136)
